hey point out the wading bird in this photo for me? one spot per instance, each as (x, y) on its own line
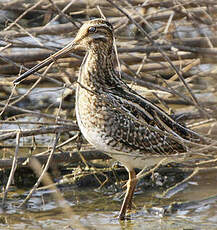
(113, 117)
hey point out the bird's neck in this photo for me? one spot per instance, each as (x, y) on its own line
(97, 71)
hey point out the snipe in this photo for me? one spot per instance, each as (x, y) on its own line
(113, 117)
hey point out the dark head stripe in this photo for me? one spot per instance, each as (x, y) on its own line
(101, 22)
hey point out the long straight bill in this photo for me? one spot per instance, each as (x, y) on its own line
(46, 62)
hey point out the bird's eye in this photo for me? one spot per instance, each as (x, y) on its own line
(92, 29)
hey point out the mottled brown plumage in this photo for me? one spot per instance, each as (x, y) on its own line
(112, 116)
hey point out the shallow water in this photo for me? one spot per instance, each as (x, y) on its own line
(90, 208)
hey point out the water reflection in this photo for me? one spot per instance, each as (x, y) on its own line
(91, 209)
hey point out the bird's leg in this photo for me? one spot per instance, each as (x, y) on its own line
(127, 203)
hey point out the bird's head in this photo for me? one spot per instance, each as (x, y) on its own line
(95, 35)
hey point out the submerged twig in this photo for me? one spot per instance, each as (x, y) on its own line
(195, 171)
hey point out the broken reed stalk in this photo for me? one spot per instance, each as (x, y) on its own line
(62, 157)
(39, 131)
(39, 172)
(13, 169)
